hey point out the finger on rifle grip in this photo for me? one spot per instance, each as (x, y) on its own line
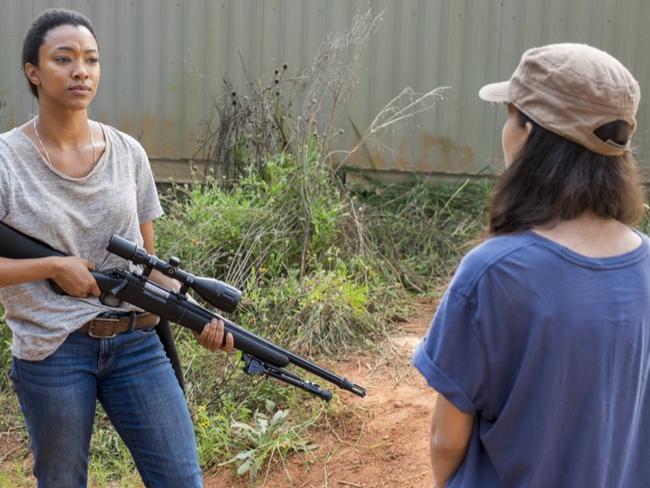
(229, 342)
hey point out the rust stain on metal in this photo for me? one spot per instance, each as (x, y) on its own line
(159, 138)
(149, 139)
(170, 144)
(427, 142)
(126, 125)
(445, 154)
(401, 157)
(431, 153)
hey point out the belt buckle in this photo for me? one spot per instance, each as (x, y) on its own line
(103, 319)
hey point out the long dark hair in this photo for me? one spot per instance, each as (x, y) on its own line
(553, 179)
(44, 23)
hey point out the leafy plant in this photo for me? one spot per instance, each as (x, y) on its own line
(267, 435)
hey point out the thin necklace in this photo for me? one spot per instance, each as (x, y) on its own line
(47, 155)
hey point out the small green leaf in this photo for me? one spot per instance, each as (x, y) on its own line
(244, 455)
(279, 416)
(243, 468)
(270, 405)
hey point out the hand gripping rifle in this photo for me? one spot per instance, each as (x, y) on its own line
(259, 355)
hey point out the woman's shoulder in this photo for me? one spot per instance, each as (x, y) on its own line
(492, 252)
(12, 141)
(494, 249)
(11, 137)
(122, 141)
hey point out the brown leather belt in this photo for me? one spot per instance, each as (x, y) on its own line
(105, 327)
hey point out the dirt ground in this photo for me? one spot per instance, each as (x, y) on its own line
(379, 441)
(382, 440)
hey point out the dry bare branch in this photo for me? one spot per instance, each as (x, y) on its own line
(406, 105)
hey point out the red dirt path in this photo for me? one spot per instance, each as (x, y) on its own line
(380, 441)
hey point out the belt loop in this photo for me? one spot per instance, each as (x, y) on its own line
(132, 319)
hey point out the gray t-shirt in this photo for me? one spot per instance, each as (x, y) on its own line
(76, 216)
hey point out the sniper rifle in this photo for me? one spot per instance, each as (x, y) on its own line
(259, 355)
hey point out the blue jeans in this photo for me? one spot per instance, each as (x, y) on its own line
(132, 378)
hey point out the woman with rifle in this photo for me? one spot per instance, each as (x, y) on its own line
(72, 182)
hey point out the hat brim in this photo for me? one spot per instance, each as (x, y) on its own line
(496, 92)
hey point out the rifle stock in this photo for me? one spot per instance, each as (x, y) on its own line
(16, 245)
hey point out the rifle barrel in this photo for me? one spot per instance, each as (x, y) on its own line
(138, 291)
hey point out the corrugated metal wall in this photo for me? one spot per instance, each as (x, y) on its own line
(163, 62)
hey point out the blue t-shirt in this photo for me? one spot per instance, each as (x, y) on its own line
(551, 352)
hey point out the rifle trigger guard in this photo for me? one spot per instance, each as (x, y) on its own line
(119, 287)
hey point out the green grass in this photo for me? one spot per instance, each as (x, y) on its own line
(421, 231)
(339, 300)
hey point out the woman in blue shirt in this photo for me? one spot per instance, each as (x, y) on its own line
(540, 348)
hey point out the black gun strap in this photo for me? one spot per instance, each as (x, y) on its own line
(165, 335)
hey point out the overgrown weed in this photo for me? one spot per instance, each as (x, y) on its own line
(266, 436)
(421, 230)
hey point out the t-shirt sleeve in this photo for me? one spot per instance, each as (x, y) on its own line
(149, 207)
(451, 356)
(5, 184)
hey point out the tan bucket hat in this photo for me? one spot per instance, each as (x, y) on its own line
(572, 90)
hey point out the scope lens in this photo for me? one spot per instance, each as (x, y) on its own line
(122, 247)
(220, 294)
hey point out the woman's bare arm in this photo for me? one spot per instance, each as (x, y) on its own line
(71, 273)
(213, 333)
(451, 430)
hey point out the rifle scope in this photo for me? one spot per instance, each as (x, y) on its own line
(220, 294)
